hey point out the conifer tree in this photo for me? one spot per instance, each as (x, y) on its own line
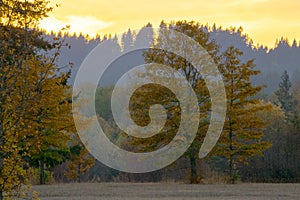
(285, 98)
(243, 130)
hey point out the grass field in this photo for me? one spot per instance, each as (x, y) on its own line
(163, 191)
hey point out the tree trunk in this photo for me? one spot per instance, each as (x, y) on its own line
(231, 172)
(194, 176)
(1, 161)
(79, 180)
(42, 172)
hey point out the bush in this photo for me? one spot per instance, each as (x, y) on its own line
(35, 179)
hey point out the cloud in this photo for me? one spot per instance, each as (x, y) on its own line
(85, 24)
(242, 2)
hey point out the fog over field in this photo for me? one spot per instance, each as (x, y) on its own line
(173, 191)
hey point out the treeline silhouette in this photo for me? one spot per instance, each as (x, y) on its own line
(272, 62)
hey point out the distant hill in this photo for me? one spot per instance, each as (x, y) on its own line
(271, 62)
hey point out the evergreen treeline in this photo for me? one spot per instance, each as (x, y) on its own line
(272, 62)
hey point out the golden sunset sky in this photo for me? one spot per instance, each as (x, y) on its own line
(263, 20)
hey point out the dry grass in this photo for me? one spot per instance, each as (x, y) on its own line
(164, 191)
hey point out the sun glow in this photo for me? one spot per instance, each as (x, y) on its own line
(75, 24)
(263, 20)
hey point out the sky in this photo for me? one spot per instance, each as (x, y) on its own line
(263, 20)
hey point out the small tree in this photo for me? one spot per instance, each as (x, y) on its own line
(243, 129)
(80, 162)
(285, 98)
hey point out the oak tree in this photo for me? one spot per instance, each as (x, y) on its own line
(33, 100)
(156, 94)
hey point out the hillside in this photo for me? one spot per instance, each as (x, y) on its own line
(271, 62)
